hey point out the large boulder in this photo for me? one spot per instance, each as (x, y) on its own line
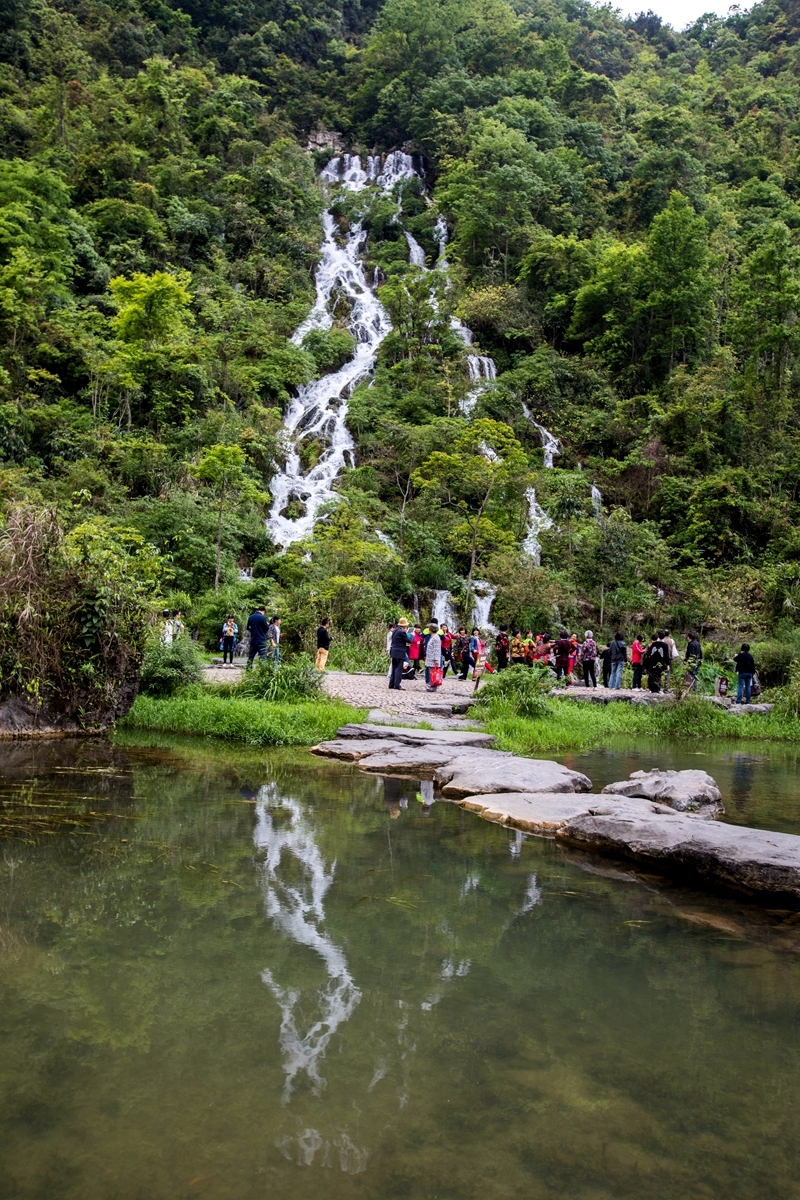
(755, 861)
(492, 771)
(685, 791)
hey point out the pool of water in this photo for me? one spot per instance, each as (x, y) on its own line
(759, 781)
(240, 976)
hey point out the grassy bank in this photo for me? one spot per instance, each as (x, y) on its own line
(254, 722)
(572, 726)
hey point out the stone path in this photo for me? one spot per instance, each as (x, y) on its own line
(413, 700)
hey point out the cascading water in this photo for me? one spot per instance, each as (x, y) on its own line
(597, 502)
(482, 372)
(538, 522)
(319, 410)
(443, 610)
(482, 601)
(550, 443)
(416, 255)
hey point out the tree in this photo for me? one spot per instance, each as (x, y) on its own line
(222, 467)
(486, 464)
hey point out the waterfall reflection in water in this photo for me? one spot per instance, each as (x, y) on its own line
(297, 910)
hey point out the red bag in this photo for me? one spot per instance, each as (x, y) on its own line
(437, 676)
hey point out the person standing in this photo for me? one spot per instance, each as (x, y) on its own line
(674, 655)
(694, 658)
(178, 626)
(589, 659)
(415, 652)
(323, 643)
(433, 653)
(257, 628)
(461, 652)
(502, 647)
(230, 632)
(656, 660)
(637, 653)
(605, 664)
(399, 650)
(745, 669)
(166, 633)
(274, 639)
(563, 651)
(517, 649)
(618, 656)
(447, 649)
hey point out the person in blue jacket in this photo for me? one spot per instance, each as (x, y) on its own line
(257, 628)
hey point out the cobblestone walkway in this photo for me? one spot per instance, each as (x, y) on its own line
(372, 691)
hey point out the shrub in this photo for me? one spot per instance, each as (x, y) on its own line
(74, 612)
(289, 682)
(167, 668)
(521, 691)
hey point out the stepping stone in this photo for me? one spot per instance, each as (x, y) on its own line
(417, 737)
(685, 791)
(492, 771)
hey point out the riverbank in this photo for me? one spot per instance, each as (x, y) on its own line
(253, 722)
(585, 726)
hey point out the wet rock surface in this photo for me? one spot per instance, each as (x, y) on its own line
(685, 791)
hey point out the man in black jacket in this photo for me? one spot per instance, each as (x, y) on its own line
(618, 656)
(257, 628)
(323, 643)
(745, 669)
(399, 650)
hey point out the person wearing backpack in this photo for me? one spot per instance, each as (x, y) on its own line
(502, 646)
(589, 659)
(461, 652)
(656, 660)
(694, 658)
(745, 669)
(617, 657)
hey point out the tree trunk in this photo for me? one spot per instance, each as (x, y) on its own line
(219, 541)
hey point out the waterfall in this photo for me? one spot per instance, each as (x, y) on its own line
(597, 502)
(482, 601)
(538, 522)
(416, 255)
(550, 443)
(293, 900)
(443, 610)
(319, 410)
(482, 372)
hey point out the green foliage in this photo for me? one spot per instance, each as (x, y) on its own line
(255, 722)
(517, 691)
(288, 683)
(167, 668)
(74, 613)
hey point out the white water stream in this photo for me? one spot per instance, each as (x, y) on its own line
(482, 601)
(443, 610)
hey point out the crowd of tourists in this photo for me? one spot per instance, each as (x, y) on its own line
(437, 649)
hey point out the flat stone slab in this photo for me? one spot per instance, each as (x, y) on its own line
(419, 761)
(601, 695)
(751, 860)
(544, 813)
(685, 791)
(492, 771)
(417, 737)
(351, 749)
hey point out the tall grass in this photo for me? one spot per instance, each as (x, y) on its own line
(575, 726)
(254, 722)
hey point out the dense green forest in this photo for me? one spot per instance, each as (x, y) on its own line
(623, 210)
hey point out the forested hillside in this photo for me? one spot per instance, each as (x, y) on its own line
(622, 206)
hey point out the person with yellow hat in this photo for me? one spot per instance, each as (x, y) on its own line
(399, 649)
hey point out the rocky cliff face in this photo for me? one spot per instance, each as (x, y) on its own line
(24, 717)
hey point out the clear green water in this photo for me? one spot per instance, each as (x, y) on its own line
(265, 976)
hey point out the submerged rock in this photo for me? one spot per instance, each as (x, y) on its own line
(685, 791)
